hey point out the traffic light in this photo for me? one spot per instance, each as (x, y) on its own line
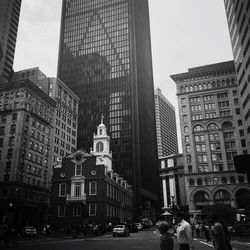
(242, 165)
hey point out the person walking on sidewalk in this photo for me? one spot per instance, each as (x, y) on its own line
(221, 237)
(184, 232)
(167, 242)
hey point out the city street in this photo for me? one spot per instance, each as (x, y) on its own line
(145, 240)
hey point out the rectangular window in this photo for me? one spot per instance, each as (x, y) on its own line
(62, 189)
(78, 169)
(76, 210)
(61, 211)
(92, 188)
(92, 209)
(77, 190)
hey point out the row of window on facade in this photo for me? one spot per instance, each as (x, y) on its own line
(66, 98)
(63, 126)
(61, 109)
(64, 118)
(111, 211)
(210, 98)
(111, 191)
(208, 85)
(216, 180)
(211, 126)
(211, 105)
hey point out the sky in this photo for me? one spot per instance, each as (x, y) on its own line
(184, 34)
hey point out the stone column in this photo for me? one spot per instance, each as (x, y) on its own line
(164, 186)
(172, 186)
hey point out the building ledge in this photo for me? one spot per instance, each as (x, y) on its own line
(76, 199)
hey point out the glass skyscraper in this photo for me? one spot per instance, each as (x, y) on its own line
(9, 20)
(105, 58)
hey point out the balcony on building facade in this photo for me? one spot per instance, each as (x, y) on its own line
(76, 199)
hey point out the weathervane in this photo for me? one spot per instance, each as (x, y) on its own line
(102, 116)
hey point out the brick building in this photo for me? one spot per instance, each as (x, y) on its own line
(86, 190)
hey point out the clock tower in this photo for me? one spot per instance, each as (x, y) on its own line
(101, 146)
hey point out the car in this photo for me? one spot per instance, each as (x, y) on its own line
(30, 231)
(132, 228)
(139, 226)
(120, 230)
(146, 223)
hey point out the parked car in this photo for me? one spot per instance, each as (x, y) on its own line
(132, 228)
(120, 230)
(30, 231)
(139, 226)
(146, 223)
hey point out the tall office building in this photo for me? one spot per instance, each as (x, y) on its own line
(9, 19)
(66, 111)
(238, 16)
(212, 131)
(26, 133)
(105, 58)
(165, 125)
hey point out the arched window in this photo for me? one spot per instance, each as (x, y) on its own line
(241, 179)
(216, 180)
(191, 88)
(195, 87)
(209, 85)
(200, 86)
(232, 180)
(227, 125)
(204, 86)
(183, 89)
(99, 147)
(224, 180)
(222, 197)
(198, 128)
(212, 126)
(207, 181)
(186, 129)
(186, 88)
(191, 182)
(199, 181)
(201, 199)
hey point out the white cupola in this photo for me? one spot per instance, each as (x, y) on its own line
(101, 146)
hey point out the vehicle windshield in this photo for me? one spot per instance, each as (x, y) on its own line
(119, 226)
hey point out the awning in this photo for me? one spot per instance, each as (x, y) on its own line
(166, 213)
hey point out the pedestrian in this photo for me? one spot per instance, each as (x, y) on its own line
(44, 232)
(167, 242)
(206, 232)
(184, 232)
(197, 230)
(221, 238)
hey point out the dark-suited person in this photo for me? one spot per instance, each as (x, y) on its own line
(167, 242)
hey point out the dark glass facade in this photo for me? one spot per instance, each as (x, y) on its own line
(9, 20)
(105, 58)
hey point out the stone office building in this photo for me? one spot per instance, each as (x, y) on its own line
(86, 190)
(26, 117)
(65, 121)
(212, 134)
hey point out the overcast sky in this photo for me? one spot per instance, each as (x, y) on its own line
(184, 34)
